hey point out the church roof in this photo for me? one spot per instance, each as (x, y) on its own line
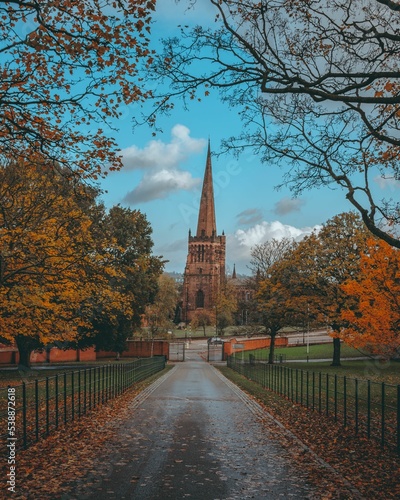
(206, 225)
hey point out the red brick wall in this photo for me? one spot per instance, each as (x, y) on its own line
(251, 344)
(9, 357)
(87, 354)
(140, 349)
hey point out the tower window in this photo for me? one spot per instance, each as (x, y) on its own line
(200, 299)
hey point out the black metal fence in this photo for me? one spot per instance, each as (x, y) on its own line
(33, 410)
(372, 409)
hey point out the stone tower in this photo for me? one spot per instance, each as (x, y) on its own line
(205, 265)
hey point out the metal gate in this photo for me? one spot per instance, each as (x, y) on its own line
(215, 352)
(177, 351)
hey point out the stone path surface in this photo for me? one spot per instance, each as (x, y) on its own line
(193, 434)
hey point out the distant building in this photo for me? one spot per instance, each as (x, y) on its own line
(205, 266)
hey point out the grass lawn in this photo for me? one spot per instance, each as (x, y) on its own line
(367, 369)
(317, 351)
(374, 370)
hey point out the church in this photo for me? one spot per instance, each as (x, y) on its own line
(205, 265)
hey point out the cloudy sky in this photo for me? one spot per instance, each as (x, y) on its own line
(162, 175)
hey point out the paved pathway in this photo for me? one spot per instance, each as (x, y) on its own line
(194, 435)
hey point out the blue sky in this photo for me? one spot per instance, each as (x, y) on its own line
(162, 175)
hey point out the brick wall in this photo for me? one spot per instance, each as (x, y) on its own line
(136, 349)
(251, 344)
(140, 349)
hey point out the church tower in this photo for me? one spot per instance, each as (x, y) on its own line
(205, 265)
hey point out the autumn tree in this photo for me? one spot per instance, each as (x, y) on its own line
(132, 273)
(225, 307)
(320, 265)
(271, 304)
(317, 85)
(201, 319)
(67, 70)
(70, 274)
(47, 269)
(372, 312)
(160, 314)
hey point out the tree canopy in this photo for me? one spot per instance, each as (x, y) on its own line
(66, 69)
(372, 312)
(65, 269)
(317, 85)
(304, 283)
(160, 314)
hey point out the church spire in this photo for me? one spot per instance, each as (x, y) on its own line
(206, 225)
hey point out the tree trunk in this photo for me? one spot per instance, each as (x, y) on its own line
(25, 347)
(272, 349)
(336, 352)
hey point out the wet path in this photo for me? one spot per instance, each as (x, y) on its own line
(191, 435)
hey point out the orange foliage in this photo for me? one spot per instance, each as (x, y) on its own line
(373, 311)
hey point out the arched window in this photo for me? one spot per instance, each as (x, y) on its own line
(200, 299)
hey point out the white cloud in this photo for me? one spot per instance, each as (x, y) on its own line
(239, 245)
(387, 183)
(269, 230)
(161, 184)
(160, 155)
(161, 162)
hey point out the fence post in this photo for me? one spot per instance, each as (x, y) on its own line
(65, 398)
(327, 394)
(301, 387)
(356, 404)
(84, 391)
(319, 392)
(72, 396)
(94, 387)
(313, 390)
(336, 397)
(291, 383)
(344, 401)
(79, 393)
(47, 406)
(56, 401)
(37, 409)
(90, 388)
(398, 420)
(369, 409)
(102, 384)
(383, 415)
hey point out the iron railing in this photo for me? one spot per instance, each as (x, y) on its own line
(372, 409)
(33, 410)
